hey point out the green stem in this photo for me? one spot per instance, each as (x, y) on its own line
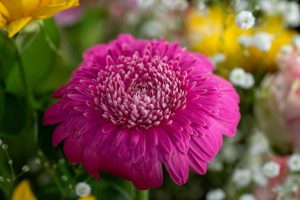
(10, 166)
(142, 195)
(28, 94)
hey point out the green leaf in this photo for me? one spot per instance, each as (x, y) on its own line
(7, 55)
(112, 188)
(38, 60)
(44, 137)
(15, 117)
(28, 35)
(2, 98)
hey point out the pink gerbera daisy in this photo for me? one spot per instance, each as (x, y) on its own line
(134, 106)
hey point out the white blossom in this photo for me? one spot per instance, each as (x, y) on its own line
(247, 197)
(175, 4)
(291, 14)
(25, 168)
(248, 81)
(216, 165)
(271, 169)
(259, 144)
(241, 5)
(83, 189)
(268, 6)
(245, 19)
(4, 146)
(145, 3)
(260, 179)
(64, 178)
(286, 49)
(296, 41)
(217, 194)
(294, 163)
(262, 41)
(242, 177)
(239, 77)
(153, 28)
(245, 40)
(218, 58)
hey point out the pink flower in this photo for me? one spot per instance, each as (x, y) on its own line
(281, 94)
(136, 105)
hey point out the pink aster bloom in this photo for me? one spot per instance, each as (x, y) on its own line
(134, 106)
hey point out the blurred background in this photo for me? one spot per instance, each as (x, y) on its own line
(261, 162)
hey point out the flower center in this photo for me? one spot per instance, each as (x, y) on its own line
(140, 91)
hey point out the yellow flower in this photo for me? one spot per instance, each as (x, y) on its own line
(214, 32)
(88, 198)
(15, 14)
(23, 192)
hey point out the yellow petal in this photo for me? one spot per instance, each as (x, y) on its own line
(48, 11)
(88, 198)
(14, 8)
(29, 5)
(3, 10)
(23, 192)
(16, 25)
(2, 21)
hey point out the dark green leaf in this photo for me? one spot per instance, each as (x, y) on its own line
(113, 188)
(15, 117)
(38, 60)
(45, 137)
(7, 55)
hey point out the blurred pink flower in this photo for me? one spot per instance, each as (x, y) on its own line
(68, 17)
(268, 193)
(280, 97)
(135, 105)
(71, 16)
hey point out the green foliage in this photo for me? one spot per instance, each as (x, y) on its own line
(38, 58)
(7, 55)
(14, 115)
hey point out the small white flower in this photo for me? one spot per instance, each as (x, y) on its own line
(241, 5)
(242, 177)
(268, 6)
(260, 179)
(294, 163)
(145, 3)
(153, 28)
(259, 144)
(245, 40)
(4, 146)
(216, 194)
(292, 14)
(1, 142)
(64, 178)
(83, 189)
(201, 6)
(286, 49)
(245, 19)
(215, 165)
(175, 4)
(25, 168)
(271, 169)
(248, 81)
(247, 197)
(262, 41)
(241, 78)
(296, 41)
(218, 58)
(237, 76)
